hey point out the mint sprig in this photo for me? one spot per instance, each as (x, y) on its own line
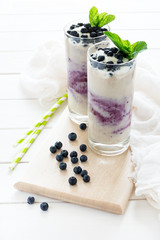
(130, 50)
(99, 20)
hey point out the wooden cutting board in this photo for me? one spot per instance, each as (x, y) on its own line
(109, 188)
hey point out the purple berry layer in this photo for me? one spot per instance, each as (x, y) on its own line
(110, 112)
(77, 78)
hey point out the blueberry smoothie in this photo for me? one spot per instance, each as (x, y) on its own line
(110, 95)
(78, 38)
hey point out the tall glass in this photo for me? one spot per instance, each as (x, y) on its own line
(76, 53)
(110, 96)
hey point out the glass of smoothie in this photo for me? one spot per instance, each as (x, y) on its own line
(78, 38)
(110, 97)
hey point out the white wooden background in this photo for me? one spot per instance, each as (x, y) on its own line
(24, 24)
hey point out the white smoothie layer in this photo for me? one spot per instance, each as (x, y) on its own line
(77, 102)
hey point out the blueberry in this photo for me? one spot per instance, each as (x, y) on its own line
(44, 206)
(72, 136)
(110, 54)
(114, 50)
(100, 33)
(59, 157)
(62, 165)
(82, 126)
(119, 61)
(83, 147)
(106, 51)
(104, 29)
(68, 32)
(94, 63)
(64, 153)
(77, 169)
(87, 25)
(80, 24)
(74, 33)
(30, 200)
(93, 34)
(85, 45)
(83, 30)
(58, 145)
(83, 158)
(118, 56)
(53, 149)
(84, 172)
(74, 160)
(72, 27)
(73, 154)
(101, 66)
(110, 62)
(72, 180)
(86, 178)
(84, 36)
(111, 74)
(101, 58)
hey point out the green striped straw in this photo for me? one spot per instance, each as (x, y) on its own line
(35, 134)
(43, 121)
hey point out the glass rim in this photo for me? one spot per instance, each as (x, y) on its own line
(103, 63)
(93, 38)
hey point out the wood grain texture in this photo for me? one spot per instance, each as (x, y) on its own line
(109, 188)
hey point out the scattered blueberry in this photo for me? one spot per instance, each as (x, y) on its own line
(53, 149)
(62, 165)
(84, 172)
(72, 136)
(72, 180)
(74, 160)
(101, 58)
(73, 154)
(83, 147)
(110, 54)
(64, 153)
(93, 34)
(83, 126)
(83, 30)
(58, 145)
(44, 206)
(30, 200)
(59, 157)
(86, 178)
(83, 158)
(77, 169)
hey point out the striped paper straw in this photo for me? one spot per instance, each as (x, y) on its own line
(34, 135)
(43, 121)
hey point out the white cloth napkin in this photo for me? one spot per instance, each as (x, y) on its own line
(45, 78)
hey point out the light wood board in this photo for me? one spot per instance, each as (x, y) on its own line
(110, 186)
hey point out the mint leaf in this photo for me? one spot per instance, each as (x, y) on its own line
(93, 16)
(99, 20)
(137, 47)
(105, 19)
(130, 50)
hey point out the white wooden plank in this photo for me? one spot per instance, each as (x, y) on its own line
(8, 193)
(48, 6)
(14, 62)
(34, 39)
(11, 88)
(68, 221)
(24, 113)
(52, 22)
(10, 136)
